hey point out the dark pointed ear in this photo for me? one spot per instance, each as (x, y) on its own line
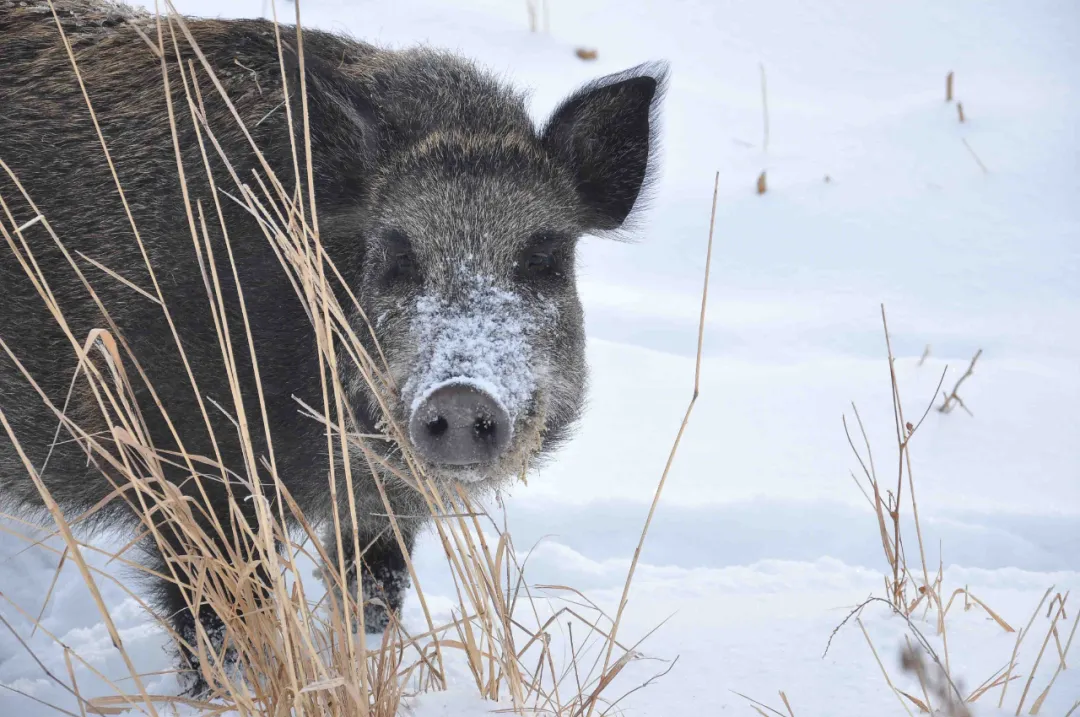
(605, 133)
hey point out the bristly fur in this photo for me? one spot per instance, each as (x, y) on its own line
(431, 180)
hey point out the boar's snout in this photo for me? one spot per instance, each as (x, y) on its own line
(460, 424)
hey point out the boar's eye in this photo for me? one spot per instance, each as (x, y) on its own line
(543, 258)
(400, 262)
(540, 263)
(403, 265)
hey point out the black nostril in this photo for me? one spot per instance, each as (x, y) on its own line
(485, 428)
(437, 427)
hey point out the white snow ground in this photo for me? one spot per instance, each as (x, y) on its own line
(761, 542)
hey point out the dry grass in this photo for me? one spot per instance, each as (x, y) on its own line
(975, 156)
(297, 652)
(952, 399)
(910, 591)
(765, 710)
(888, 504)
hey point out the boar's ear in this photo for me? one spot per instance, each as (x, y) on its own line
(605, 133)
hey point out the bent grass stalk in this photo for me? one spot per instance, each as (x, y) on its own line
(899, 578)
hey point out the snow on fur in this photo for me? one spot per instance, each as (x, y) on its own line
(479, 338)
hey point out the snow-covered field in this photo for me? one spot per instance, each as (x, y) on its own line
(876, 194)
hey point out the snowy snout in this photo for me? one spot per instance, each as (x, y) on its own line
(460, 424)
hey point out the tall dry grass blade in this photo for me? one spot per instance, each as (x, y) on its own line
(791, 712)
(678, 438)
(1038, 658)
(988, 684)
(1016, 647)
(74, 683)
(884, 672)
(1038, 703)
(49, 592)
(29, 696)
(905, 457)
(759, 706)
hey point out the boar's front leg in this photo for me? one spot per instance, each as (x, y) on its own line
(190, 614)
(384, 573)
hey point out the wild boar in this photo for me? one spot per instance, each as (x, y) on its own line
(452, 218)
